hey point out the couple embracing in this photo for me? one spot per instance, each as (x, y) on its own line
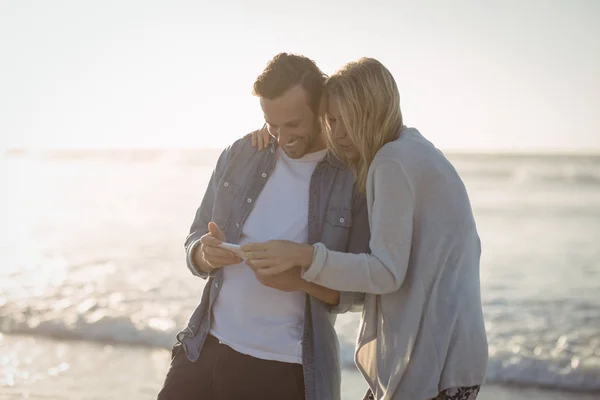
(337, 206)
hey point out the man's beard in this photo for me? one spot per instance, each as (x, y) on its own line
(299, 146)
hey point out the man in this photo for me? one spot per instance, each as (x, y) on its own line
(252, 338)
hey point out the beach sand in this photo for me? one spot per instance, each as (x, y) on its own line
(38, 368)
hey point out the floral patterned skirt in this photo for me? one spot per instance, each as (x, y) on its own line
(462, 393)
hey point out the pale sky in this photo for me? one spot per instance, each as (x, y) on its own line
(473, 75)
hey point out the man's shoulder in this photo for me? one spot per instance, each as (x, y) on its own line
(242, 146)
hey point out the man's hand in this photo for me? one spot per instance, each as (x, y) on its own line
(210, 254)
(291, 281)
(288, 281)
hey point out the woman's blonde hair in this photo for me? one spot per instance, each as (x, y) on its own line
(369, 104)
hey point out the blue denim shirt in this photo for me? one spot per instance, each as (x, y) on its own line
(337, 217)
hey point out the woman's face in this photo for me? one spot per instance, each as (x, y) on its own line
(338, 130)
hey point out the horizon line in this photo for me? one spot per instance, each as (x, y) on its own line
(456, 151)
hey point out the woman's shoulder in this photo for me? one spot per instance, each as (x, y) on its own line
(406, 151)
(411, 158)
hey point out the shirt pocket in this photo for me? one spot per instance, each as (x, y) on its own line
(338, 221)
(225, 197)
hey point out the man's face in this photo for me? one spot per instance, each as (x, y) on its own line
(291, 121)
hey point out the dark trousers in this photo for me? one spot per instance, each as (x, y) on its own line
(222, 373)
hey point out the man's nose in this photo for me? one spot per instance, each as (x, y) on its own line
(282, 133)
(277, 131)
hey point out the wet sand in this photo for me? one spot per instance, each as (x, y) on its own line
(38, 368)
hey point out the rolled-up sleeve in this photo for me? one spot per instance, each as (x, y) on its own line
(189, 259)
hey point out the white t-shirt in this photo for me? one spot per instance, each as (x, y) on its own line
(249, 317)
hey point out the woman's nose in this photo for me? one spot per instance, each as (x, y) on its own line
(339, 134)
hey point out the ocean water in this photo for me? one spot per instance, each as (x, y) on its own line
(91, 249)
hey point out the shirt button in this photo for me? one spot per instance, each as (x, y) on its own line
(264, 175)
(226, 184)
(216, 284)
(237, 224)
(342, 220)
(249, 200)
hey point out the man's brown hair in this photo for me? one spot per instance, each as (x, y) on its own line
(284, 72)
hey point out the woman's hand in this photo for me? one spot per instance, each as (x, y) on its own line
(261, 138)
(276, 256)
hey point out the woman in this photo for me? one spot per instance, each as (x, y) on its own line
(422, 333)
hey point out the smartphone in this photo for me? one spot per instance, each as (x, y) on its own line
(235, 248)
